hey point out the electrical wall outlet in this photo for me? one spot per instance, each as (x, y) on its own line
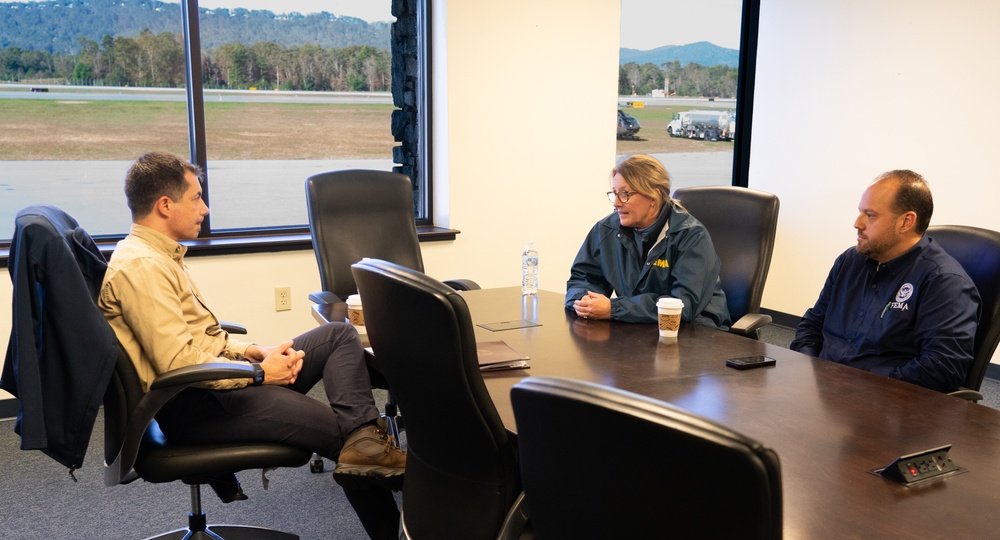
(282, 298)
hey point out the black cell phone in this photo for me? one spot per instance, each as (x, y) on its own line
(749, 362)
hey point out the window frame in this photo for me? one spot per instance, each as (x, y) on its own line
(294, 237)
(746, 79)
(749, 28)
(284, 235)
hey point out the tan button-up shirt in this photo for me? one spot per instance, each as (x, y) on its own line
(157, 312)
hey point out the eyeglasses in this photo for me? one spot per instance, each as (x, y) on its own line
(621, 195)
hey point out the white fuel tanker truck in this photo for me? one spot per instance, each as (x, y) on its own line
(709, 125)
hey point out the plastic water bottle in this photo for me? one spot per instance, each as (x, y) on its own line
(529, 269)
(529, 307)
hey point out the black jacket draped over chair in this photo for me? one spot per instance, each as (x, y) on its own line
(59, 387)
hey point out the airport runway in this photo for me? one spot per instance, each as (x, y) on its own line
(673, 101)
(115, 93)
(96, 93)
(81, 187)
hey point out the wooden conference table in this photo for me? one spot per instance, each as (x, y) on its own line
(829, 424)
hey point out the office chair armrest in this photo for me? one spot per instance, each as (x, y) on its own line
(515, 524)
(327, 297)
(967, 394)
(161, 391)
(462, 284)
(209, 371)
(233, 328)
(323, 297)
(749, 324)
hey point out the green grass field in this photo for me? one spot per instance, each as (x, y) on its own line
(121, 130)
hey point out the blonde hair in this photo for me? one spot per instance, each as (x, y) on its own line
(646, 175)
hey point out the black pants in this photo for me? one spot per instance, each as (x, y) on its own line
(286, 415)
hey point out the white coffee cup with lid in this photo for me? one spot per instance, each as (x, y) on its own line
(669, 315)
(355, 313)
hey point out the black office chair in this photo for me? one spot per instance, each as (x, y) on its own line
(978, 251)
(461, 473)
(356, 214)
(742, 223)
(134, 446)
(645, 469)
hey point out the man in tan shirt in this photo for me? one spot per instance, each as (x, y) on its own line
(164, 323)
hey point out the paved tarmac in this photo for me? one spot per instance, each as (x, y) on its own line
(92, 191)
(674, 101)
(239, 190)
(115, 93)
(103, 93)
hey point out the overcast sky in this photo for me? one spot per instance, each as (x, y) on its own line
(648, 24)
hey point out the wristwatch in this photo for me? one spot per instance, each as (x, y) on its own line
(258, 374)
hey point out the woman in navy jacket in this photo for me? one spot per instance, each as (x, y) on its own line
(649, 247)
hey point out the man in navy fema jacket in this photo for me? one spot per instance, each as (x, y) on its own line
(896, 304)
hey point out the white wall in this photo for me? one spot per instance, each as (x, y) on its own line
(529, 107)
(878, 86)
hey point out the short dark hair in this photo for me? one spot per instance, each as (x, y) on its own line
(912, 195)
(154, 175)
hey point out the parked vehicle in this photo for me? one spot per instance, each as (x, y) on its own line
(628, 126)
(709, 125)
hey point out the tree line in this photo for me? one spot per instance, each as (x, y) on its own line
(157, 60)
(56, 25)
(688, 80)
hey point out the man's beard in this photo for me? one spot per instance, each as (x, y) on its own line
(871, 247)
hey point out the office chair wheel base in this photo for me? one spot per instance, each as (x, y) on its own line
(222, 532)
(316, 464)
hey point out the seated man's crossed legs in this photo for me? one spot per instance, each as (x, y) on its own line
(347, 430)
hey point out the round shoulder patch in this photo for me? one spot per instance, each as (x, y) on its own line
(905, 292)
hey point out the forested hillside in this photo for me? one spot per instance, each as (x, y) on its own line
(701, 53)
(56, 26)
(684, 80)
(696, 69)
(138, 43)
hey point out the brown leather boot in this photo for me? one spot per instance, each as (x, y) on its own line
(371, 455)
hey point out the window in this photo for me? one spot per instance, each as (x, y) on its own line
(284, 96)
(278, 112)
(684, 81)
(70, 125)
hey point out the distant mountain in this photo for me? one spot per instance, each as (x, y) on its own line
(57, 25)
(702, 53)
